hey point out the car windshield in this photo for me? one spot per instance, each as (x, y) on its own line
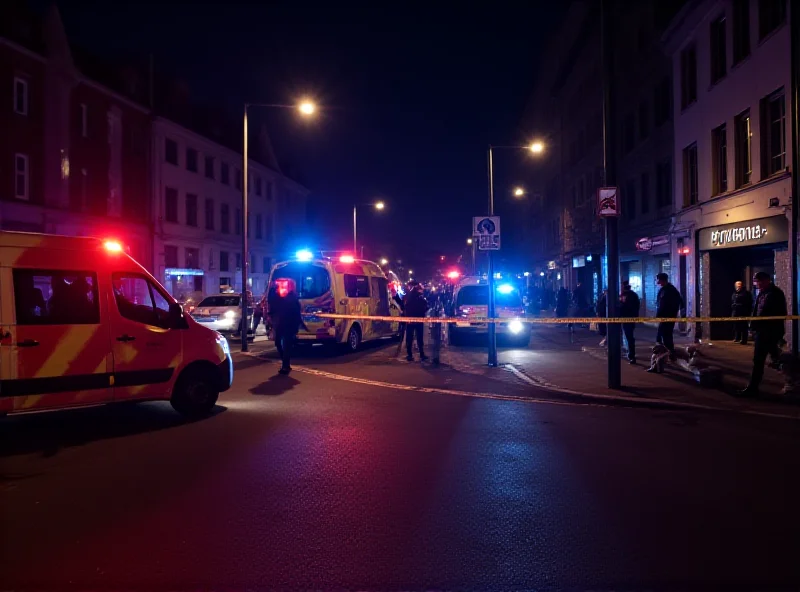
(479, 296)
(312, 280)
(220, 301)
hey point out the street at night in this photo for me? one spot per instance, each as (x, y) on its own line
(320, 482)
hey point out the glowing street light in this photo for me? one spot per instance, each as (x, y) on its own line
(384, 261)
(469, 241)
(519, 192)
(536, 147)
(410, 272)
(307, 108)
(380, 205)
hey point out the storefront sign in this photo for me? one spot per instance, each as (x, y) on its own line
(742, 234)
(647, 243)
(173, 271)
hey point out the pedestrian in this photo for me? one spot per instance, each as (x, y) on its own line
(286, 317)
(602, 306)
(258, 312)
(415, 306)
(629, 308)
(562, 303)
(741, 306)
(771, 302)
(668, 305)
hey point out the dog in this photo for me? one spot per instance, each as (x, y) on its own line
(658, 359)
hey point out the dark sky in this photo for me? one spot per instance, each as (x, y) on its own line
(411, 95)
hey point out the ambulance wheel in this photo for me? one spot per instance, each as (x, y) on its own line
(195, 394)
(354, 338)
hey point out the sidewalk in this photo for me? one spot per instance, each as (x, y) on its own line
(582, 367)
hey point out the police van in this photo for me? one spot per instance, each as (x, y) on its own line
(340, 285)
(82, 323)
(471, 308)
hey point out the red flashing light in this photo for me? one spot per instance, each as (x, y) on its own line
(453, 275)
(684, 251)
(347, 259)
(112, 246)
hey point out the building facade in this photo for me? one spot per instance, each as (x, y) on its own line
(733, 151)
(75, 151)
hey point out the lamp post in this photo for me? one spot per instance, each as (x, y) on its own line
(472, 245)
(536, 148)
(306, 109)
(378, 206)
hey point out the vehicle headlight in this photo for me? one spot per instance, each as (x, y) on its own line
(515, 326)
(223, 343)
(229, 314)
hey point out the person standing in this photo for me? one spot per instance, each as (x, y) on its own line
(741, 306)
(415, 306)
(668, 304)
(771, 302)
(286, 317)
(602, 305)
(629, 308)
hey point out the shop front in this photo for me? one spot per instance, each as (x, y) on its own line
(641, 265)
(736, 252)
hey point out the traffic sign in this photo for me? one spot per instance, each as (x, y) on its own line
(607, 202)
(487, 231)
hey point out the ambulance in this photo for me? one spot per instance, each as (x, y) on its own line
(82, 323)
(340, 285)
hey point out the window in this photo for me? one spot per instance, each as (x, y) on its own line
(20, 96)
(311, 280)
(719, 160)
(771, 15)
(171, 151)
(629, 200)
(269, 191)
(258, 185)
(644, 197)
(224, 219)
(238, 261)
(773, 138)
(628, 133)
(139, 300)
(644, 120)
(84, 120)
(209, 167)
(191, 160)
(662, 101)
(170, 256)
(191, 209)
(356, 286)
(690, 187)
(221, 301)
(237, 222)
(171, 204)
(192, 258)
(688, 76)
(268, 228)
(267, 264)
(718, 49)
(47, 297)
(743, 138)
(741, 30)
(224, 173)
(209, 214)
(238, 180)
(664, 184)
(223, 261)
(259, 227)
(21, 184)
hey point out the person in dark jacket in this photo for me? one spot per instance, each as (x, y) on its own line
(629, 308)
(415, 306)
(562, 302)
(741, 306)
(668, 304)
(771, 302)
(286, 317)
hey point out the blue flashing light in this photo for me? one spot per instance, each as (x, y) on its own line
(304, 255)
(505, 288)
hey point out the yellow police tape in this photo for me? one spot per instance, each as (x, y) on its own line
(550, 320)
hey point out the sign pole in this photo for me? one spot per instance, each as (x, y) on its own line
(492, 328)
(613, 337)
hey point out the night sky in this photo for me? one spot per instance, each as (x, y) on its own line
(411, 96)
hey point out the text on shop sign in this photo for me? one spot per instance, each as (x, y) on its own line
(720, 238)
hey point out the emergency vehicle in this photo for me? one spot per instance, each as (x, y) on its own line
(471, 308)
(83, 324)
(340, 285)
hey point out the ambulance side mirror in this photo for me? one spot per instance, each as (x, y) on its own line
(176, 320)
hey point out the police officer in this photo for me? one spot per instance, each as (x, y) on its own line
(284, 311)
(415, 306)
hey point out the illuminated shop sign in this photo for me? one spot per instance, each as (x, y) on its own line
(741, 234)
(172, 271)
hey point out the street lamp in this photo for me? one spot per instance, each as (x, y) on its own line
(536, 147)
(519, 192)
(472, 245)
(306, 108)
(378, 205)
(384, 261)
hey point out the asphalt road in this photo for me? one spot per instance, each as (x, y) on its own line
(317, 481)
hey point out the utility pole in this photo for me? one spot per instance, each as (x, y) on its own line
(492, 329)
(613, 338)
(794, 32)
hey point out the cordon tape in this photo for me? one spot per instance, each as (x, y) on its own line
(547, 320)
